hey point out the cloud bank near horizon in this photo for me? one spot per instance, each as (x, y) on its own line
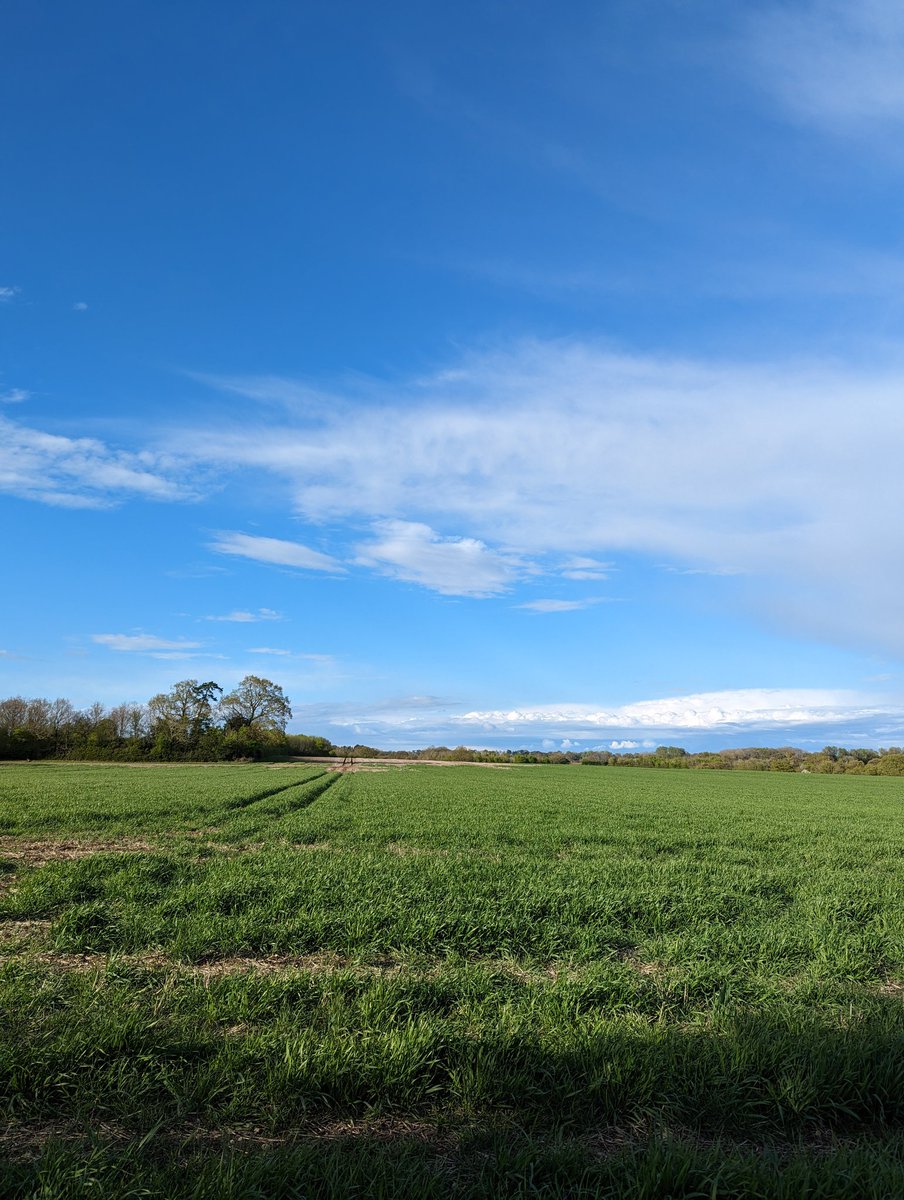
(773, 714)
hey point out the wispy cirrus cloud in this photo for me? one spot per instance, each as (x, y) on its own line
(8, 293)
(82, 472)
(403, 719)
(712, 468)
(14, 396)
(832, 63)
(276, 552)
(718, 467)
(244, 616)
(559, 606)
(321, 660)
(586, 568)
(143, 643)
(181, 655)
(701, 570)
(295, 396)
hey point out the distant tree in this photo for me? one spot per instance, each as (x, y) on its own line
(186, 712)
(119, 715)
(782, 762)
(256, 702)
(137, 726)
(206, 699)
(361, 751)
(13, 713)
(310, 744)
(37, 719)
(61, 714)
(891, 763)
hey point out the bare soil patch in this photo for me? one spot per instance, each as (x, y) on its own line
(24, 1141)
(321, 963)
(892, 987)
(387, 764)
(15, 932)
(37, 853)
(651, 969)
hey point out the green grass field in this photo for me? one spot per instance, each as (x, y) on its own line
(235, 981)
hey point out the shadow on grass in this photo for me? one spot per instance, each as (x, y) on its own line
(144, 1046)
(481, 1167)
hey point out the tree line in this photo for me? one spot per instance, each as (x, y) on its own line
(198, 721)
(195, 720)
(831, 760)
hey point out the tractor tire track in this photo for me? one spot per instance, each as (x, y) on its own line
(256, 797)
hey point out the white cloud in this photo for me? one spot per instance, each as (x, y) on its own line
(246, 616)
(417, 717)
(453, 566)
(715, 467)
(586, 568)
(275, 551)
(763, 715)
(14, 396)
(804, 266)
(80, 306)
(702, 570)
(80, 472)
(180, 655)
(143, 643)
(832, 63)
(556, 606)
(325, 661)
(8, 293)
(746, 708)
(296, 397)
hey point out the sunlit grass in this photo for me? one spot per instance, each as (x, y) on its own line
(594, 980)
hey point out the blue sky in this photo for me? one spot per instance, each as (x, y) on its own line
(481, 373)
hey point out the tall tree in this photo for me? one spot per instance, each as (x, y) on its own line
(185, 712)
(13, 713)
(256, 702)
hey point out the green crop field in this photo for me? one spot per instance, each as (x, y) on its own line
(252, 981)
